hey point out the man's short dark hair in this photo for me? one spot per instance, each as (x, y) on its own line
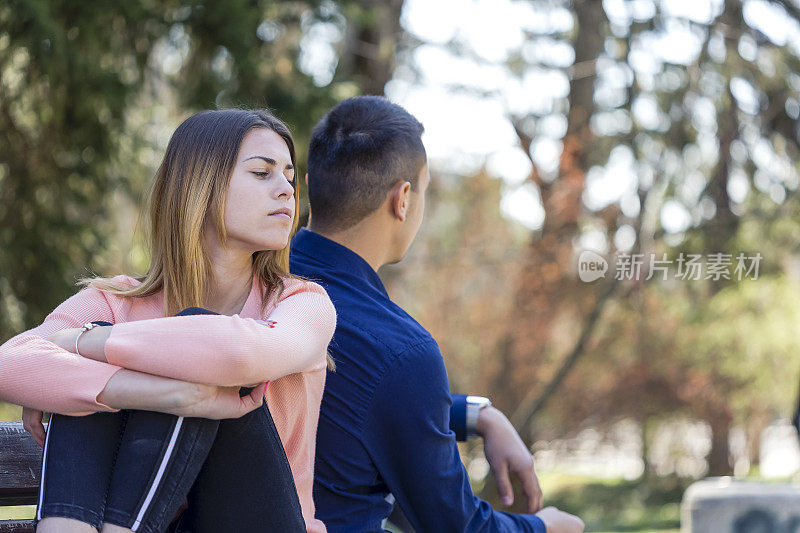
(358, 152)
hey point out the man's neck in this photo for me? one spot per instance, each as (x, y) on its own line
(364, 238)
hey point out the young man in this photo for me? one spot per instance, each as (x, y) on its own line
(385, 431)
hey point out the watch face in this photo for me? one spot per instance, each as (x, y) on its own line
(480, 401)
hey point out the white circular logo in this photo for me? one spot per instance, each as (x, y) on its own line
(591, 266)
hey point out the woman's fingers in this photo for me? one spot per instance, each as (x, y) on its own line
(32, 422)
(218, 402)
(255, 398)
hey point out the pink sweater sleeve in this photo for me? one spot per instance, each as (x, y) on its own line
(230, 350)
(294, 402)
(36, 373)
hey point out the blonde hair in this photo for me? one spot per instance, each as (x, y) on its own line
(191, 184)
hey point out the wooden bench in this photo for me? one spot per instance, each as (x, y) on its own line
(20, 464)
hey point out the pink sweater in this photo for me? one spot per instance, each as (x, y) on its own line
(289, 351)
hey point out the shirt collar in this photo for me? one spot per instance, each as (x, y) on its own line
(336, 256)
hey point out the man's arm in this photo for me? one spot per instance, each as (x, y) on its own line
(505, 451)
(407, 432)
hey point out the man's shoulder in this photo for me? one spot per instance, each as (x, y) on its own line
(382, 321)
(366, 311)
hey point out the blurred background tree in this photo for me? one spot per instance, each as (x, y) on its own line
(675, 132)
(91, 91)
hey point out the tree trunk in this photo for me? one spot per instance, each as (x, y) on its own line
(547, 280)
(757, 422)
(373, 33)
(644, 424)
(719, 462)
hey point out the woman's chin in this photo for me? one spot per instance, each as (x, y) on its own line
(273, 244)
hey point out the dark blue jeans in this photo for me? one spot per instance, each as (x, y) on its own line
(135, 469)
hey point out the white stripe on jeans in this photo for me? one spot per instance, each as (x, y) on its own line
(41, 476)
(163, 466)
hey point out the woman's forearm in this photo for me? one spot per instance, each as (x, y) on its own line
(128, 389)
(216, 349)
(228, 350)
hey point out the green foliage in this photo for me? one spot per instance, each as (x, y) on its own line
(68, 71)
(746, 336)
(80, 84)
(652, 504)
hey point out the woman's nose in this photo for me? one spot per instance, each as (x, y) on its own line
(284, 189)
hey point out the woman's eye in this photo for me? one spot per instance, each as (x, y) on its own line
(261, 174)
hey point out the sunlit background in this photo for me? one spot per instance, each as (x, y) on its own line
(633, 128)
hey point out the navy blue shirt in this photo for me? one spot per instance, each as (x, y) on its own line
(384, 427)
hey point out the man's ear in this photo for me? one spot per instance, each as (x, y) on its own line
(306, 179)
(399, 199)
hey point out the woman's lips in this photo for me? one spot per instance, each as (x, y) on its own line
(284, 213)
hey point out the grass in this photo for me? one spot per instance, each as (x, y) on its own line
(10, 413)
(17, 512)
(650, 505)
(646, 505)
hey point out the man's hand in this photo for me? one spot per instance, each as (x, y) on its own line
(32, 422)
(556, 521)
(506, 453)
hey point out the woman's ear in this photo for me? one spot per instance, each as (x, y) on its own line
(400, 198)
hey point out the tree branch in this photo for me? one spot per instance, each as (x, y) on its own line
(530, 407)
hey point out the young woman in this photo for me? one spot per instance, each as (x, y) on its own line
(150, 410)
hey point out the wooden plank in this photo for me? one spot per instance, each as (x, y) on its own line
(16, 526)
(20, 465)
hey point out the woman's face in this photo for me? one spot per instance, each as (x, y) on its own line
(260, 204)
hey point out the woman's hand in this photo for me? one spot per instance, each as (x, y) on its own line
(128, 389)
(65, 338)
(32, 422)
(215, 402)
(92, 343)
